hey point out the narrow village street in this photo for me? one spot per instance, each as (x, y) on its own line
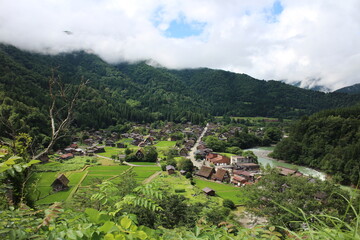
(194, 148)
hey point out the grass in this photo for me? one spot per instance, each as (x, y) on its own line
(106, 168)
(163, 145)
(44, 186)
(143, 173)
(177, 181)
(103, 173)
(225, 191)
(143, 163)
(110, 151)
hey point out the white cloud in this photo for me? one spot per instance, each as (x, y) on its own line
(309, 39)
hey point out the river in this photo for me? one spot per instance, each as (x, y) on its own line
(263, 159)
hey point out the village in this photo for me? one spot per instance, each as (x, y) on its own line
(187, 142)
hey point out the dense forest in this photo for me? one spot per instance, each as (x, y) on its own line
(140, 93)
(328, 140)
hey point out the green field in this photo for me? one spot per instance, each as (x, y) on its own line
(143, 173)
(178, 182)
(110, 151)
(103, 173)
(45, 179)
(225, 191)
(143, 163)
(163, 145)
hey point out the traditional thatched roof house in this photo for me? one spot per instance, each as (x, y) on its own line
(209, 191)
(140, 153)
(205, 172)
(60, 183)
(245, 174)
(247, 166)
(183, 152)
(121, 145)
(221, 175)
(99, 149)
(109, 143)
(170, 169)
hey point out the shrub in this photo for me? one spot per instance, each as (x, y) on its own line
(229, 204)
(188, 175)
(180, 190)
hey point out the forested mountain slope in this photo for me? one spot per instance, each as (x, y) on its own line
(353, 89)
(142, 93)
(328, 140)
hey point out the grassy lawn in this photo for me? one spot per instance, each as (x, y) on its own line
(225, 191)
(107, 162)
(110, 151)
(163, 145)
(143, 173)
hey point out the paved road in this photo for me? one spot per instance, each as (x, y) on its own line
(193, 150)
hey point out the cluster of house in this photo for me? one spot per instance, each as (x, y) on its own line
(238, 170)
(217, 129)
(73, 150)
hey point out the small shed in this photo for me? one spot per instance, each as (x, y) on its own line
(182, 172)
(170, 169)
(60, 183)
(208, 191)
(44, 158)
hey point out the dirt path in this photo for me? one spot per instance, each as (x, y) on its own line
(149, 179)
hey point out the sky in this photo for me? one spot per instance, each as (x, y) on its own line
(316, 42)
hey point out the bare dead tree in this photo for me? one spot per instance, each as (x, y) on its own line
(60, 116)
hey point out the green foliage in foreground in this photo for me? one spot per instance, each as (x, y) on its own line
(285, 200)
(329, 140)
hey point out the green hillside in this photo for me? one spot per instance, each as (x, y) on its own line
(328, 140)
(141, 93)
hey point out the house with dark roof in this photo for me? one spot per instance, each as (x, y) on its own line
(208, 191)
(221, 175)
(44, 158)
(249, 176)
(170, 169)
(60, 183)
(140, 153)
(205, 172)
(183, 152)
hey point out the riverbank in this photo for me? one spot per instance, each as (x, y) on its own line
(264, 159)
